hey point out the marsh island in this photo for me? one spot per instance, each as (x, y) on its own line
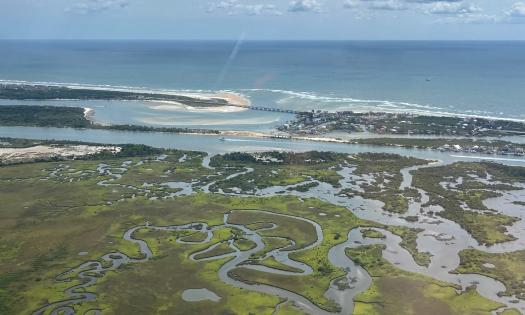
(185, 232)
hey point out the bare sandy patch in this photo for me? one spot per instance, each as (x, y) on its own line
(233, 98)
(253, 134)
(177, 107)
(17, 155)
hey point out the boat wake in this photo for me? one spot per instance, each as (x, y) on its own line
(487, 158)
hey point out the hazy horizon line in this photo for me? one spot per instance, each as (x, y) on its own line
(261, 40)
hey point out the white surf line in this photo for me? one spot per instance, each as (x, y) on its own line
(196, 94)
(379, 106)
(487, 158)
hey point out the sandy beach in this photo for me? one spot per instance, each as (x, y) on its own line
(176, 106)
(250, 134)
(236, 102)
(233, 98)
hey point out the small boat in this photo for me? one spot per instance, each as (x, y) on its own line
(222, 139)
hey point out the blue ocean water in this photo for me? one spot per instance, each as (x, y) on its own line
(480, 78)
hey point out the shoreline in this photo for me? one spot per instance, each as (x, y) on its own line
(234, 98)
(261, 135)
(231, 98)
(496, 149)
(484, 146)
(438, 114)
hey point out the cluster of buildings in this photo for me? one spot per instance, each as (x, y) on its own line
(507, 149)
(320, 122)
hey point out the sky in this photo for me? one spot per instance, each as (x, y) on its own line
(263, 19)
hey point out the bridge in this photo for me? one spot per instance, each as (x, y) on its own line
(273, 109)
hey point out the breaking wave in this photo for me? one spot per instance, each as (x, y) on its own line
(298, 100)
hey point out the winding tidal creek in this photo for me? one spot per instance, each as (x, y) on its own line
(443, 239)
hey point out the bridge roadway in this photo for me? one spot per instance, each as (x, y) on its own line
(273, 109)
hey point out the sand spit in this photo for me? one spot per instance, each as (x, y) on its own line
(235, 103)
(18, 155)
(241, 133)
(177, 107)
(233, 98)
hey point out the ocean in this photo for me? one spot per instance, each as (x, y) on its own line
(457, 77)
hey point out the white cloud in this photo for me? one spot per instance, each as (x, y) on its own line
(517, 10)
(388, 5)
(473, 15)
(350, 4)
(480, 19)
(432, 1)
(93, 6)
(304, 6)
(236, 7)
(452, 8)
(451, 11)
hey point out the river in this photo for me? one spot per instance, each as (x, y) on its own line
(213, 144)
